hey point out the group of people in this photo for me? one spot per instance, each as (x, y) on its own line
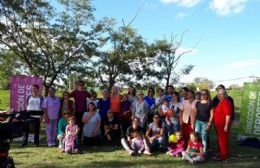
(177, 122)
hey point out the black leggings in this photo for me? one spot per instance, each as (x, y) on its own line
(37, 123)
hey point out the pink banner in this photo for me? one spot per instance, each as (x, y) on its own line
(20, 89)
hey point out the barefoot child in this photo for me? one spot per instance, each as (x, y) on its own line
(176, 148)
(71, 136)
(194, 152)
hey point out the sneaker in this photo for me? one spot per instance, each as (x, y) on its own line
(146, 152)
(76, 151)
(49, 145)
(60, 146)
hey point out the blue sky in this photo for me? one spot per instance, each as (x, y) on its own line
(224, 34)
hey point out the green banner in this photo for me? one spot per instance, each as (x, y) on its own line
(250, 111)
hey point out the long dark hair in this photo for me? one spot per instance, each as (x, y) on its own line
(134, 92)
(91, 103)
(208, 94)
(178, 95)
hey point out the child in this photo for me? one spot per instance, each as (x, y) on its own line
(171, 122)
(112, 131)
(164, 108)
(126, 113)
(137, 143)
(175, 149)
(194, 152)
(71, 136)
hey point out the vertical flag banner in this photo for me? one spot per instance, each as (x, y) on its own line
(20, 89)
(249, 125)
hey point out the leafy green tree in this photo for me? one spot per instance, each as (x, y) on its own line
(166, 56)
(119, 60)
(51, 43)
(9, 66)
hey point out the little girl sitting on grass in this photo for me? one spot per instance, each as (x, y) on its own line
(176, 148)
(137, 143)
(70, 139)
(194, 152)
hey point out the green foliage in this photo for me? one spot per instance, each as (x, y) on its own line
(166, 55)
(51, 43)
(119, 60)
(9, 66)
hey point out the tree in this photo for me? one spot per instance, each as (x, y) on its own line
(52, 44)
(203, 83)
(166, 56)
(120, 61)
(9, 66)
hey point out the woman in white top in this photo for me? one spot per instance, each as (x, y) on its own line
(92, 122)
(34, 103)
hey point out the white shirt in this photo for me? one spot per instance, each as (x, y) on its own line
(34, 104)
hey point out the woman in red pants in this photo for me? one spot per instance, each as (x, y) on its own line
(222, 123)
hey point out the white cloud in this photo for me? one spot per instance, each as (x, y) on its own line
(180, 15)
(226, 7)
(244, 64)
(184, 3)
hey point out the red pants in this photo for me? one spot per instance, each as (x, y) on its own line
(223, 139)
(186, 130)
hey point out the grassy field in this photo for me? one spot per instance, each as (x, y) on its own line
(104, 156)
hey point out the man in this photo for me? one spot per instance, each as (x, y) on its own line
(170, 91)
(80, 96)
(215, 100)
(34, 105)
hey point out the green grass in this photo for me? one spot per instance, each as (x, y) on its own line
(104, 156)
(4, 99)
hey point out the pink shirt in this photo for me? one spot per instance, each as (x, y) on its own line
(188, 108)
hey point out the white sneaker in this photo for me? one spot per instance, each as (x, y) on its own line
(146, 152)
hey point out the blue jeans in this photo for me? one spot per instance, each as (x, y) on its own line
(200, 127)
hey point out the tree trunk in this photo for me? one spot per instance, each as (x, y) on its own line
(46, 89)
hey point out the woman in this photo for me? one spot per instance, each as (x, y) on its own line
(92, 122)
(159, 100)
(175, 106)
(127, 141)
(132, 94)
(151, 102)
(187, 116)
(155, 133)
(51, 107)
(140, 109)
(103, 106)
(115, 100)
(204, 117)
(222, 123)
(63, 122)
(66, 105)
